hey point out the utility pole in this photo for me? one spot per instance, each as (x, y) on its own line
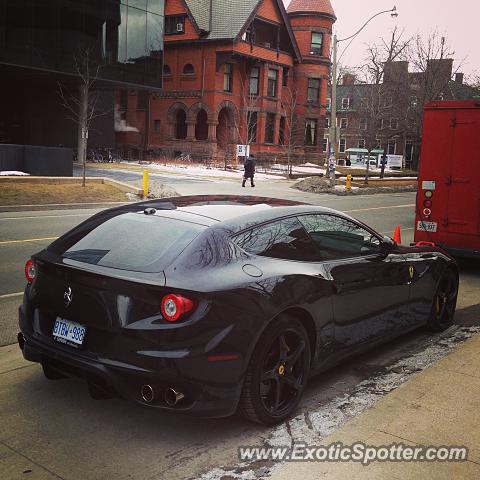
(333, 133)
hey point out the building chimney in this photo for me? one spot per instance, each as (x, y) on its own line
(459, 78)
(348, 79)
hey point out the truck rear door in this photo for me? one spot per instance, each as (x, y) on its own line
(463, 211)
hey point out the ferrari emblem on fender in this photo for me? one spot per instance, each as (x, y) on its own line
(68, 296)
(411, 271)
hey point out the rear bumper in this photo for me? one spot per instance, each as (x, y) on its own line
(203, 397)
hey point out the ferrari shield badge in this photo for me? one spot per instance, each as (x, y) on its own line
(411, 271)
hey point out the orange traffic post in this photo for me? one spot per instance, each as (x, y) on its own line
(397, 236)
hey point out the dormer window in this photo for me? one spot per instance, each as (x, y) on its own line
(174, 25)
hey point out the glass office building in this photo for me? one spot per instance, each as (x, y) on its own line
(43, 43)
(124, 39)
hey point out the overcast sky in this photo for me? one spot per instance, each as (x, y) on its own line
(458, 20)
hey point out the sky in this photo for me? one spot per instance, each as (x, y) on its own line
(457, 20)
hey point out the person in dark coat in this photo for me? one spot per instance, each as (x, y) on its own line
(249, 168)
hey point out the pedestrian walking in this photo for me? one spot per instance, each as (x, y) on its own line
(249, 168)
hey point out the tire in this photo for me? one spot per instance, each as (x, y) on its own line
(444, 302)
(277, 373)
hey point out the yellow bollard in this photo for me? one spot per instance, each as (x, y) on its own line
(348, 183)
(145, 183)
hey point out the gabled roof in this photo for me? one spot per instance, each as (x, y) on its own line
(227, 19)
(200, 10)
(227, 16)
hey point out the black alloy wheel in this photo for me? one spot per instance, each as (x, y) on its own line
(444, 302)
(277, 374)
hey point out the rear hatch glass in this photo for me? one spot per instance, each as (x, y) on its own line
(134, 242)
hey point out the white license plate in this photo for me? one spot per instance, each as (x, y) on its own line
(67, 332)
(427, 226)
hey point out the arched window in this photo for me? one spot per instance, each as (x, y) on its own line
(166, 70)
(188, 69)
(201, 126)
(180, 124)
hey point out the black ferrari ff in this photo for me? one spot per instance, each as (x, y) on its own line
(219, 304)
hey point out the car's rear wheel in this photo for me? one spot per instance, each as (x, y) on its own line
(444, 302)
(277, 373)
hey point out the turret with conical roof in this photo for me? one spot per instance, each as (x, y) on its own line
(316, 7)
(312, 23)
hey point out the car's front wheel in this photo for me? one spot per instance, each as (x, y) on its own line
(444, 302)
(277, 373)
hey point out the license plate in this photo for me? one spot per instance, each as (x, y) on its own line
(69, 333)
(427, 226)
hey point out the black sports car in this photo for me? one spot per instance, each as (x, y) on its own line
(213, 305)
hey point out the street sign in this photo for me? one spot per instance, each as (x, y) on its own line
(243, 150)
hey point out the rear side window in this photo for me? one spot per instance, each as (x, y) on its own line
(285, 239)
(338, 238)
(135, 242)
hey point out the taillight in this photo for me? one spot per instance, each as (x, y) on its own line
(30, 271)
(175, 306)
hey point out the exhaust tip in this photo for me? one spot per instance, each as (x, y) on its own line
(172, 396)
(21, 340)
(148, 393)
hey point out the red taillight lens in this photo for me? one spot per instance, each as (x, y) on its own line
(427, 204)
(175, 306)
(30, 271)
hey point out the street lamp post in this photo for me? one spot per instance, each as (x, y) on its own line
(333, 132)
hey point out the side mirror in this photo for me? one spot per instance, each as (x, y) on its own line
(388, 244)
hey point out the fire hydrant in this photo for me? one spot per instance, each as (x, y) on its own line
(348, 183)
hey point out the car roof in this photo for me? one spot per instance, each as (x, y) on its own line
(232, 212)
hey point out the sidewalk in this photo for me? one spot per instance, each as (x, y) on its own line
(438, 407)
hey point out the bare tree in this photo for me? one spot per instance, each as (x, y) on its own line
(82, 104)
(473, 80)
(289, 134)
(432, 60)
(247, 125)
(386, 71)
(381, 93)
(378, 55)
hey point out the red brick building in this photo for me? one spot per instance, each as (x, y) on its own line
(244, 71)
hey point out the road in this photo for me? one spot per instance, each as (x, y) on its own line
(53, 430)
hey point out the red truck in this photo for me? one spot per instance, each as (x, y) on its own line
(448, 198)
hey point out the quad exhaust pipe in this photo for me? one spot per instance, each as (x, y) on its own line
(148, 393)
(171, 396)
